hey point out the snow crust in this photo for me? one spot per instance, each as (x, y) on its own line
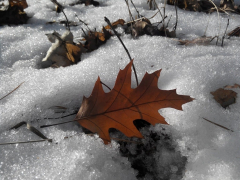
(212, 152)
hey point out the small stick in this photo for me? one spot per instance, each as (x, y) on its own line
(206, 27)
(107, 20)
(82, 22)
(168, 21)
(217, 124)
(154, 15)
(158, 9)
(24, 142)
(12, 91)
(29, 127)
(105, 85)
(84, 32)
(175, 26)
(62, 116)
(225, 32)
(164, 9)
(44, 126)
(130, 14)
(135, 9)
(160, 21)
(61, 8)
(68, 26)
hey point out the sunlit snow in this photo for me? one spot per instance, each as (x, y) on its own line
(212, 153)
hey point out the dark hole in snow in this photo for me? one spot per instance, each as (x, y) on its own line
(156, 156)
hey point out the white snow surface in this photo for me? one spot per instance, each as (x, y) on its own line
(212, 152)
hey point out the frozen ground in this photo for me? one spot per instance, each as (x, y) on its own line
(212, 152)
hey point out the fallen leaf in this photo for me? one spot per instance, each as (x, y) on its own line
(73, 52)
(224, 97)
(20, 3)
(234, 86)
(115, 24)
(122, 105)
(63, 51)
(95, 39)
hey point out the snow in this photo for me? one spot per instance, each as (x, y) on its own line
(212, 152)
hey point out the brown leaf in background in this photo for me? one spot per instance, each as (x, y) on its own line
(73, 52)
(122, 105)
(20, 3)
(115, 24)
(234, 86)
(224, 97)
(95, 39)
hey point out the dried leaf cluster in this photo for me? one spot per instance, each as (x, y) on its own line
(93, 39)
(63, 51)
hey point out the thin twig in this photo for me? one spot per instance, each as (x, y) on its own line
(159, 10)
(12, 91)
(44, 126)
(30, 128)
(135, 9)
(61, 8)
(130, 14)
(82, 22)
(206, 27)
(24, 142)
(105, 85)
(62, 116)
(160, 21)
(218, 19)
(175, 26)
(68, 25)
(108, 22)
(168, 21)
(217, 124)
(153, 15)
(225, 32)
(84, 32)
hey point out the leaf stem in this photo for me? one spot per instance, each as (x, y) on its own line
(24, 142)
(12, 91)
(108, 22)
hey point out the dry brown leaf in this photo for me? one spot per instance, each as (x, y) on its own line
(95, 39)
(224, 97)
(73, 52)
(20, 3)
(234, 86)
(122, 105)
(115, 24)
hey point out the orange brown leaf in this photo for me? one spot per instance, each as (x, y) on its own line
(120, 21)
(122, 105)
(20, 3)
(73, 52)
